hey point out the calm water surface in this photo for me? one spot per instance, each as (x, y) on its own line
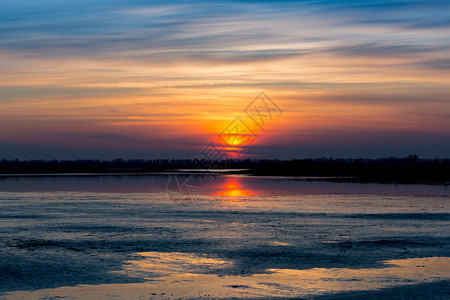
(157, 236)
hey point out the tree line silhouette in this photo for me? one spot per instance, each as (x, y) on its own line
(403, 170)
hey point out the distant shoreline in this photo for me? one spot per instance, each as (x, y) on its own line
(410, 170)
(337, 179)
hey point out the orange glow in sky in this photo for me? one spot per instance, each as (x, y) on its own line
(167, 79)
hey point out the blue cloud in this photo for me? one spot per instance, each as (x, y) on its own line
(49, 28)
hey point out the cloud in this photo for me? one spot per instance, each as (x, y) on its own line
(436, 64)
(385, 50)
(16, 93)
(101, 136)
(211, 31)
(119, 65)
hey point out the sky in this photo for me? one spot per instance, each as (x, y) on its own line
(163, 79)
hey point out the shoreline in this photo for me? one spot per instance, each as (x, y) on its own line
(243, 172)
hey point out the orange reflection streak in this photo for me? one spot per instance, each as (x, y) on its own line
(233, 188)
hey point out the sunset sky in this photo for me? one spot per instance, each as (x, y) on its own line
(162, 79)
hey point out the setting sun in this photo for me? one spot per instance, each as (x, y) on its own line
(232, 149)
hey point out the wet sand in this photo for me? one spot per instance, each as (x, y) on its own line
(241, 237)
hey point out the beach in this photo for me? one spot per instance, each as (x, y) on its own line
(224, 237)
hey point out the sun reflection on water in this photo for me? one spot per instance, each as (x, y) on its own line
(233, 187)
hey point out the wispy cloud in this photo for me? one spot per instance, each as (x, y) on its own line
(175, 67)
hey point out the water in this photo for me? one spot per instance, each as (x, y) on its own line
(106, 237)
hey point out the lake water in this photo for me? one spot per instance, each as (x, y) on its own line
(182, 237)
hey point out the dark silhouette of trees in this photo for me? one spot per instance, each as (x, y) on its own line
(405, 170)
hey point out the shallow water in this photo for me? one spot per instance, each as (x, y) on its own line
(214, 237)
